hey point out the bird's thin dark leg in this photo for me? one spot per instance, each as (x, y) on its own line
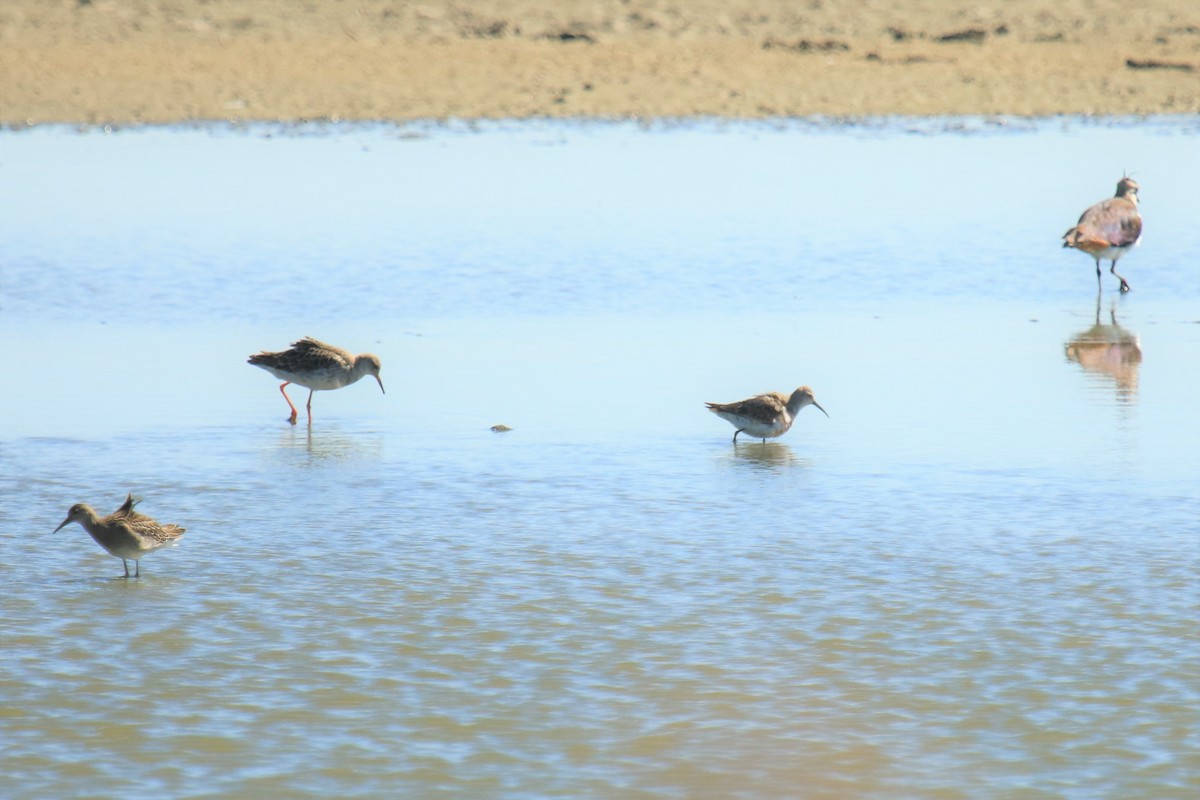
(125, 564)
(735, 433)
(137, 568)
(1113, 270)
(1099, 275)
(309, 406)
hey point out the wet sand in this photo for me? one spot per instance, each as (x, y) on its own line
(103, 61)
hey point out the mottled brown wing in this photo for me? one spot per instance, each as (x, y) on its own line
(765, 407)
(1130, 231)
(308, 350)
(145, 527)
(1114, 222)
(306, 355)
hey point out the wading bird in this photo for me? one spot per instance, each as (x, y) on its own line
(124, 533)
(316, 366)
(1109, 229)
(766, 415)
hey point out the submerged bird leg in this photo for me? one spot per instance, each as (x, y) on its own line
(125, 564)
(735, 433)
(137, 568)
(1113, 270)
(295, 413)
(1099, 274)
(309, 406)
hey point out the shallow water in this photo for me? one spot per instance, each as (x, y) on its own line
(977, 577)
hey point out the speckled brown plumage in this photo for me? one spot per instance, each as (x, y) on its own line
(316, 366)
(124, 533)
(765, 415)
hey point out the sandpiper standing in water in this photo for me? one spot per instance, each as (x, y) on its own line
(124, 533)
(766, 415)
(1109, 229)
(316, 366)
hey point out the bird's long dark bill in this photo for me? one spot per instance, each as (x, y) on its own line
(63, 525)
(380, 382)
(818, 405)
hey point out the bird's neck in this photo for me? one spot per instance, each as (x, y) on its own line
(91, 524)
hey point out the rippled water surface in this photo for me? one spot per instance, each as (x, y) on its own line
(976, 578)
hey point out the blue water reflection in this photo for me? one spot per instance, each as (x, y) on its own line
(979, 571)
(586, 219)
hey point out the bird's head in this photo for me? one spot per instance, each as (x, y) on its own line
(368, 364)
(804, 397)
(1127, 187)
(76, 513)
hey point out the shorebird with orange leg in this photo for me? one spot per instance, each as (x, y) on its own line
(766, 415)
(124, 533)
(316, 366)
(1109, 229)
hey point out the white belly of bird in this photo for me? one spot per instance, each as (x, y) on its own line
(759, 428)
(134, 549)
(318, 381)
(1114, 253)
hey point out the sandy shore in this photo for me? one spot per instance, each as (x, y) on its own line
(120, 61)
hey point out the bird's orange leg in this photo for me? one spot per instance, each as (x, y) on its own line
(295, 413)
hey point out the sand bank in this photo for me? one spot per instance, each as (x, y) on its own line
(155, 61)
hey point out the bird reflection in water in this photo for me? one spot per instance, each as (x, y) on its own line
(767, 456)
(1108, 351)
(329, 446)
